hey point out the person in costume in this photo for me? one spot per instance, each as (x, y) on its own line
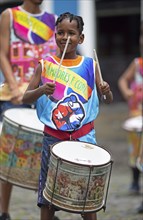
(66, 97)
(27, 35)
(131, 86)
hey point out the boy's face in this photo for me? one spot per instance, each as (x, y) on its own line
(64, 29)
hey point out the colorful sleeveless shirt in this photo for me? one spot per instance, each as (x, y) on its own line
(75, 100)
(32, 37)
(136, 102)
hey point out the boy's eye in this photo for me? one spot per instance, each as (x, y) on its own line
(71, 33)
(60, 32)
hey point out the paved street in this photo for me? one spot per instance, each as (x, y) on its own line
(120, 205)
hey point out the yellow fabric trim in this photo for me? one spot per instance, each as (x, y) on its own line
(33, 24)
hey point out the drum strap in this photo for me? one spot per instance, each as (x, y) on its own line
(66, 135)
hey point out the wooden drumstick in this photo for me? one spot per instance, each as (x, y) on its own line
(99, 70)
(61, 60)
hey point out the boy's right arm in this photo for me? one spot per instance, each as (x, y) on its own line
(35, 90)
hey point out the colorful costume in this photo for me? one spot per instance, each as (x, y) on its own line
(75, 96)
(31, 38)
(135, 109)
(136, 102)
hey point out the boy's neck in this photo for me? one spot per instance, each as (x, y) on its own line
(67, 56)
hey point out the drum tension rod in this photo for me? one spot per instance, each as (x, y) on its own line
(55, 179)
(90, 170)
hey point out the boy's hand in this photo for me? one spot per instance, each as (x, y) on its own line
(49, 88)
(106, 94)
(104, 88)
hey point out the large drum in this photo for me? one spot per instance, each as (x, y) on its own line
(20, 147)
(134, 128)
(78, 177)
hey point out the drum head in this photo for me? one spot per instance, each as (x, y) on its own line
(134, 124)
(81, 153)
(25, 117)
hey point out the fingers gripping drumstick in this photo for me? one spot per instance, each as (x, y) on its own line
(61, 60)
(99, 70)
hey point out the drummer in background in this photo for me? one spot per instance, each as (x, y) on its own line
(67, 99)
(131, 85)
(23, 46)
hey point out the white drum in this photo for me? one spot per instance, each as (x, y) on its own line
(20, 147)
(134, 128)
(134, 124)
(78, 176)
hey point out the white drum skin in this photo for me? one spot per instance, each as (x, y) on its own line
(134, 124)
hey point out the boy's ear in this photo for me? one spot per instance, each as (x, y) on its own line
(81, 39)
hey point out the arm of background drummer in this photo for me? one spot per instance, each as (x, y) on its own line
(125, 80)
(5, 65)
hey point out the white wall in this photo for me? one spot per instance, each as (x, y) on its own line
(87, 11)
(48, 5)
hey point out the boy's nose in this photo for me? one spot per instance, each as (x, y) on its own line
(66, 36)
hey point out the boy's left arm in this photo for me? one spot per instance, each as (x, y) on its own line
(106, 93)
(103, 88)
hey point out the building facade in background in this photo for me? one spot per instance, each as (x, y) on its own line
(118, 29)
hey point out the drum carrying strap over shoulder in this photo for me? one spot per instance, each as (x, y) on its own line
(73, 135)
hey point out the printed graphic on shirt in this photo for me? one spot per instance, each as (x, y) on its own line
(25, 57)
(68, 114)
(67, 81)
